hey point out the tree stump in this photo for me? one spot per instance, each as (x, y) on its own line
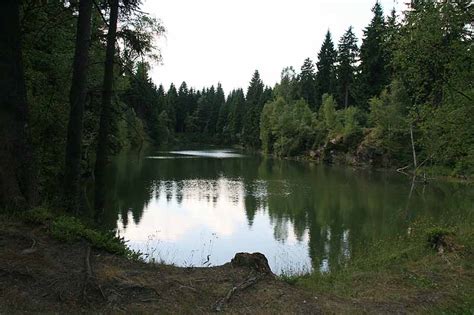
(255, 261)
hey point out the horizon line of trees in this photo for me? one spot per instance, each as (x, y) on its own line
(403, 97)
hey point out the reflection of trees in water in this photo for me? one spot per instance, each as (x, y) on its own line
(338, 209)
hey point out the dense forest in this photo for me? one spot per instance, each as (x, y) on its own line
(403, 97)
(75, 89)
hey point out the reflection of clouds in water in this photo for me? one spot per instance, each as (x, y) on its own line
(203, 222)
(200, 208)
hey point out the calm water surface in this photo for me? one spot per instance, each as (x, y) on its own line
(200, 207)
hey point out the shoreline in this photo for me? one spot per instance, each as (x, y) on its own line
(57, 264)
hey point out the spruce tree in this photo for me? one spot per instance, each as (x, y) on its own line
(17, 179)
(346, 69)
(391, 37)
(374, 75)
(326, 76)
(254, 106)
(77, 100)
(236, 102)
(181, 107)
(171, 104)
(307, 83)
(217, 102)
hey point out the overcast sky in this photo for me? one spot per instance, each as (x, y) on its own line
(211, 41)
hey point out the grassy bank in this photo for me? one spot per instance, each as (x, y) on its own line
(429, 269)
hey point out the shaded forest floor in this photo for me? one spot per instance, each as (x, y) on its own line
(41, 274)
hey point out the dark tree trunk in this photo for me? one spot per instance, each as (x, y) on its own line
(17, 177)
(77, 99)
(346, 96)
(105, 116)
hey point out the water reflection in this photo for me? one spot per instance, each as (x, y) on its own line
(202, 210)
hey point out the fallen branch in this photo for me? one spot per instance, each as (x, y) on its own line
(218, 306)
(88, 268)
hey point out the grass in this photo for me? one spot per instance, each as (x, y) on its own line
(70, 229)
(409, 271)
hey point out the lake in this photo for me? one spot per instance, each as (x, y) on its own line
(200, 207)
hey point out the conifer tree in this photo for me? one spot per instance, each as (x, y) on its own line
(374, 75)
(77, 100)
(171, 104)
(17, 180)
(326, 76)
(346, 69)
(254, 106)
(391, 37)
(236, 102)
(217, 101)
(181, 107)
(307, 83)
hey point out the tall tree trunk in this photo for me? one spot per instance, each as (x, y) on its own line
(415, 164)
(346, 96)
(77, 99)
(17, 177)
(105, 116)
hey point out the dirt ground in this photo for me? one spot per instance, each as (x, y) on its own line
(40, 274)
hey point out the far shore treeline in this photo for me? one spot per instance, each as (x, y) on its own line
(75, 89)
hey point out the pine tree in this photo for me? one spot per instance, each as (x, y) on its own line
(307, 83)
(181, 107)
(77, 99)
(253, 106)
(106, 109)
(17, 179)
(346, 69)
(326, 76)
(391, 36)
(171, 104)
(217, 101)
(236, 102)
(374, 75)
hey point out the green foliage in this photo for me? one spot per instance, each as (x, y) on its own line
(254, 102)
(447, 134)
(388, 117)
(329, 115)
(373, 59)
(38, 215)
(286, 129)
(326, 76)
(391, 267)
(70, 229)
(307, 83)
(347, 57)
